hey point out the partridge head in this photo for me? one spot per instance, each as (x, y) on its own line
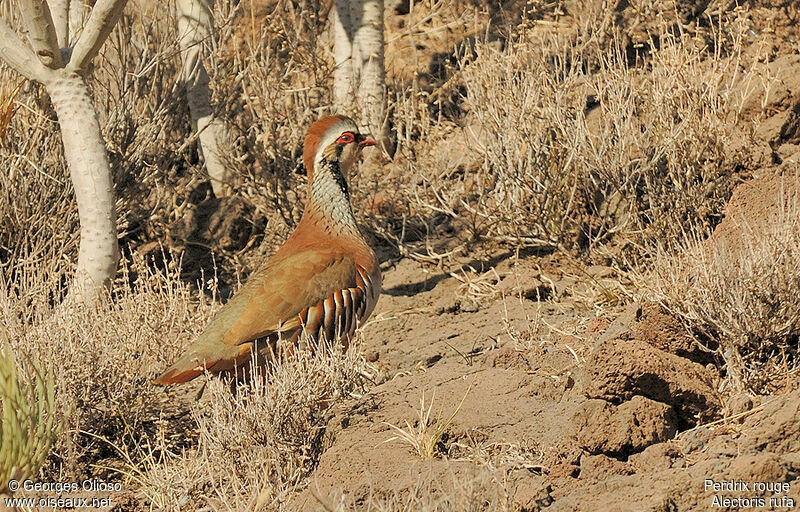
(320, 285)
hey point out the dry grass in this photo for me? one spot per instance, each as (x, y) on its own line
(740, 296)
(477, 287)
(270, 77)
(255, 449)
(103, 357)
(426, 435)
(494, 455)
(559, 144)
(564, 141)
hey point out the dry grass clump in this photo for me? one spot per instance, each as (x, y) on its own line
(476, 448)
(426, 433)
(575, 144)
(740, 296)
(270, 69)
(104, 357)
(256, 447)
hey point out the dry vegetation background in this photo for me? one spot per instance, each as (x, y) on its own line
(561, 168)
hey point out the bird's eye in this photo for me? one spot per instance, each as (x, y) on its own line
(346, 138)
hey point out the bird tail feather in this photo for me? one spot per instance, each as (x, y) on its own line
(185, 369)
(195, 363)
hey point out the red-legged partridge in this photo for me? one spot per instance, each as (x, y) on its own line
(321, 284)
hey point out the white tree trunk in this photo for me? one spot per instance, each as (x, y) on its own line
(90, 172)
(368, 49)
(84, 148)
(359, 76)
(194, 28)
(344, 78)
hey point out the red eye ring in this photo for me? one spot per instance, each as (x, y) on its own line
(346, 138)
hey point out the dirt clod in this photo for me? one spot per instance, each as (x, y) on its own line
(664, 332)
(619, 431)
(619, 370)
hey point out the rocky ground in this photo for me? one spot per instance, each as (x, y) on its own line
(568, 409)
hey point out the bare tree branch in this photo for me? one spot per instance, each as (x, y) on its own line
(59, 10)
(77, 15)
(14, 52)
(42, 34)
(99, 25)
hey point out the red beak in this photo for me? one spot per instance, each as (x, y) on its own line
(367, 141)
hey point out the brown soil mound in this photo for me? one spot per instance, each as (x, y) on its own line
(754, 205)
(619, 370)
(673, 475)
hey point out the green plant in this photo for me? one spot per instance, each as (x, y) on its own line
(27, 428)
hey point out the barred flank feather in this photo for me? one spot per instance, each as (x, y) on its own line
(338, 315)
